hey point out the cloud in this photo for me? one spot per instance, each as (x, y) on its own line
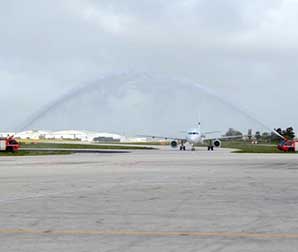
(50, 47)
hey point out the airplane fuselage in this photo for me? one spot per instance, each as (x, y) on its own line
(194, 136)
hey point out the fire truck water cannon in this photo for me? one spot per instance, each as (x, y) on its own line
(9, 144)
(287, 145)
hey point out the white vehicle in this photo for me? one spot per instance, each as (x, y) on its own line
(195, 136)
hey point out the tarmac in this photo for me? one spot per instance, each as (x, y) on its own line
(76, 150)
(150, 200)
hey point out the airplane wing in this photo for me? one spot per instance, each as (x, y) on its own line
(163, 137)
(224, 137)
(210, 132)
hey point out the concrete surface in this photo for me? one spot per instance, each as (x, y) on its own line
(149, 201)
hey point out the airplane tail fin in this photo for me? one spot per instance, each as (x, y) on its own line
(199, 126)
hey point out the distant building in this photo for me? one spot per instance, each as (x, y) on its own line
(6, 134)
(30, 134)
(106, 139)
(72, 135)
(249, 134)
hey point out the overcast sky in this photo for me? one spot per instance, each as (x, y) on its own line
(245, 51)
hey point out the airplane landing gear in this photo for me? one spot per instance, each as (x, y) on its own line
(210, 148)
(182, 147)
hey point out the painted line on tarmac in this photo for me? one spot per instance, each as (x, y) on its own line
(153, 233)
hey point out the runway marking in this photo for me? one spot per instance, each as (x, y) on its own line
(153, 233)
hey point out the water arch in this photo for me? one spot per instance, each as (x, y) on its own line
(145, 100)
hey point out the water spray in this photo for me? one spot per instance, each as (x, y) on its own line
(229, 104)
(128, 77)
(82, 89)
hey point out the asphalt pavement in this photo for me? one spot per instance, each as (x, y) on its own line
(156, 200)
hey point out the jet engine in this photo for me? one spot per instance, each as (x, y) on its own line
(216, 143)
(174, 144)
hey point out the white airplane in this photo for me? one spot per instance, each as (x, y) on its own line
(195, 136)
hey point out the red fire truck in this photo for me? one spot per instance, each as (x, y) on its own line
(9, 144)
(288, 145)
